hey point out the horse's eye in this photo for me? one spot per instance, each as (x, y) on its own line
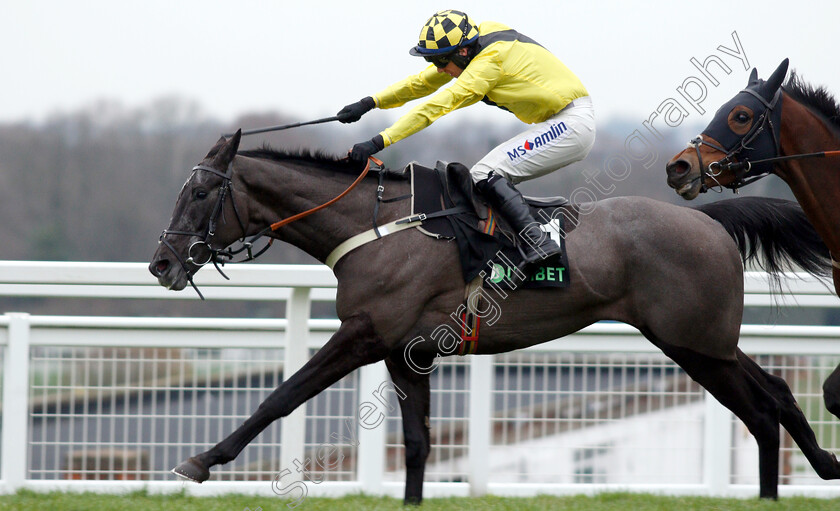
(200, 194)
(742, 117)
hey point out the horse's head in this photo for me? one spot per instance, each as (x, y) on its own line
(206, 219)
(744, 129)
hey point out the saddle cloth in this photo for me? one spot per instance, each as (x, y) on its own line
(485, 242)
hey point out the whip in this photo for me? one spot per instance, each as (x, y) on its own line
(284, 127)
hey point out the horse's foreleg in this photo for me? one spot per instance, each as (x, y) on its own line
(354, 344)
(831, 392)
(415, 417)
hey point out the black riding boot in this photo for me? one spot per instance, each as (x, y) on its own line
(534, 243)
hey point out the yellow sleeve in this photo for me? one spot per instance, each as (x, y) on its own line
(473, 84)
(414, 87)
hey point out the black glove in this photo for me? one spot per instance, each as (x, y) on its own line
(355, 111)
(362, 151)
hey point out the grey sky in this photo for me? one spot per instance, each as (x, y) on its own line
(309, 59)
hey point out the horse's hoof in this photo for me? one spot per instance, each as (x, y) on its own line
(192, 470)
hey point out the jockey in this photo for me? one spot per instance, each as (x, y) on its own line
(492, 63)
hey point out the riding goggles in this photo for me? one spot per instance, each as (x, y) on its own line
(440, 61)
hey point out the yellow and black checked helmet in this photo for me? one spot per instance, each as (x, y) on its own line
(445, 32)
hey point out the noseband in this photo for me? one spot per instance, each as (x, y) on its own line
(746, 144)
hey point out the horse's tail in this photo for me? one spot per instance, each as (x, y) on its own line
(774, 234)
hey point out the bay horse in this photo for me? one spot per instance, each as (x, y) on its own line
(672, 272)
(787, 129)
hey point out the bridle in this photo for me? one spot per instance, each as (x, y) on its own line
(745, 170)
(746, 144)
(227, 255)
(216, 256)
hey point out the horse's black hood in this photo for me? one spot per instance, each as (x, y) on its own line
(763, 98)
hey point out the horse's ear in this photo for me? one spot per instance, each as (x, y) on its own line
(227, 150)
(216, 148)
(776, 79)
(753, 77)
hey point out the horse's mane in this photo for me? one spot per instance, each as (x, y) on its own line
(315, 157)
(817, 98)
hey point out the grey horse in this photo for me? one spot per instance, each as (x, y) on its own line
(672, 272)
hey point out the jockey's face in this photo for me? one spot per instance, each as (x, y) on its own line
(451, 69)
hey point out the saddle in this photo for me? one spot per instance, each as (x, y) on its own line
(451, 207)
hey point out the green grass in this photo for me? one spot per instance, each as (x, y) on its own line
(27, 500)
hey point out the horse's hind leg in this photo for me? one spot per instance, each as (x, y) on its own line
(354, 344)
(794, 421)
(737, 390)
(415, 418)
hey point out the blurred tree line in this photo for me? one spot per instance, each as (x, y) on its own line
(99, 183)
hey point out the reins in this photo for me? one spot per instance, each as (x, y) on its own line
(286, 221)
(746, 165)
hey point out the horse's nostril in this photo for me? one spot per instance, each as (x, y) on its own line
(161, 266)
(678, 167)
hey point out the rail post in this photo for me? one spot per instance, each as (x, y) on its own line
(15, 402)
(371, 448)
(296, 354)
(480, 414)
(717, 447)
